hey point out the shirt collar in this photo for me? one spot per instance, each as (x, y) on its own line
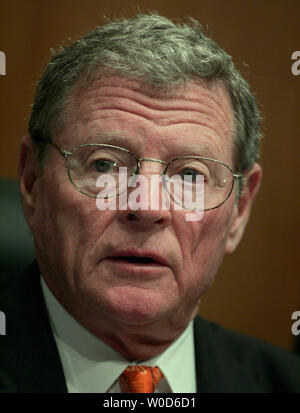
(92, 366)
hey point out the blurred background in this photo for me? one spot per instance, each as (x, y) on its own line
(258, 287)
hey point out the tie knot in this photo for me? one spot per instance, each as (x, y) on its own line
(140, 379)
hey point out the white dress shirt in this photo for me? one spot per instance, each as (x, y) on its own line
(92, 366)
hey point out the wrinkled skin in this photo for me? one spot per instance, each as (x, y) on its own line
(139, 311)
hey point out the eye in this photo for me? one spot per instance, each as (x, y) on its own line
(104, 165)
(193, 173)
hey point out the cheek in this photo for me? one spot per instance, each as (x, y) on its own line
(67, 225)
(203, 247)
(66, 208)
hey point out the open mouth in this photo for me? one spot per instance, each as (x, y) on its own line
(132, 259)
(137, 260)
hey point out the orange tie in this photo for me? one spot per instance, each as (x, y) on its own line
(140, 379)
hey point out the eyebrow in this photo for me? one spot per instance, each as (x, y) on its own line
(107, 136)
(200, 150)
(117, 137)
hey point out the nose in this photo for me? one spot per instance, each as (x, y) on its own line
(145, 207)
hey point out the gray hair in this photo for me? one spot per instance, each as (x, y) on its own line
(156, 52)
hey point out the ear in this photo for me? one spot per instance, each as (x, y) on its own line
(28, 175)
(243, 207)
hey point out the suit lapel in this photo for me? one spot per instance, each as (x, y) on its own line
(31, 362)
(218, 368)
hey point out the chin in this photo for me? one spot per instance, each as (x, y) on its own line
(136, 305)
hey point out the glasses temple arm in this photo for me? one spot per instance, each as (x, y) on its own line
(61, 150)
(238, 176)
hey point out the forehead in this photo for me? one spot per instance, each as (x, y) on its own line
(192, 118)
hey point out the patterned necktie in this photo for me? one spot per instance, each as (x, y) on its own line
(140, 379)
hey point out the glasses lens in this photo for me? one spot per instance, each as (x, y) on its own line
(198, 183)
(95, 169)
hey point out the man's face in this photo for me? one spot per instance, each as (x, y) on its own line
(75, 241)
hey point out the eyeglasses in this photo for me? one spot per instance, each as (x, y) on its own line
(87, 162)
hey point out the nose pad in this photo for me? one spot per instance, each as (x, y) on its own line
(143, 203)
(145, 192)
(147, 182)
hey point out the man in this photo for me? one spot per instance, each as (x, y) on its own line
(119, 286)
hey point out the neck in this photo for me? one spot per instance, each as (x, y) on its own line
(140, 342)
(133, 341)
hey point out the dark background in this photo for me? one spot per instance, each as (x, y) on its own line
(258, 287)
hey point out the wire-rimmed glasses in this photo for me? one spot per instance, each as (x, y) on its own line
(89, 161)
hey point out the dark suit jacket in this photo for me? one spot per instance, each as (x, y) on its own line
(225, 361)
